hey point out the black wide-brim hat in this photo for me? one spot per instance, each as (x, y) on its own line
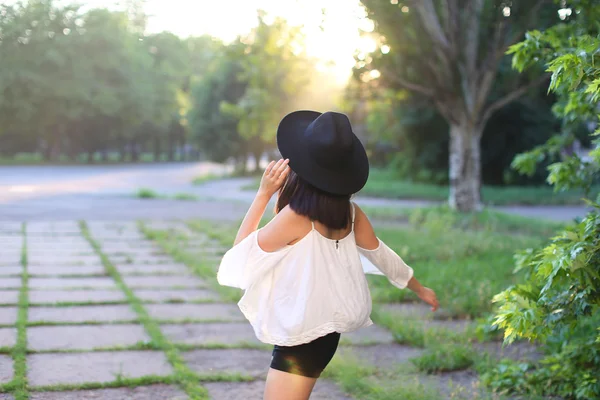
(324, 151)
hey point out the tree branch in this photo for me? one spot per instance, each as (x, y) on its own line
(510, 97)
(415, 87)
(431, 23)
(472, 36)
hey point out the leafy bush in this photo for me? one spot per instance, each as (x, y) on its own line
(558, 303)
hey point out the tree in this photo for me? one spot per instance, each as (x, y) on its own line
(558, 303)
(275, 69)
(215, 132)
(449, 52)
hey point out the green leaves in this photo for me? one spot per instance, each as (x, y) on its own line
(559, 302)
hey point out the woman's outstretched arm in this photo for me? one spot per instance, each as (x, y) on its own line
(272, 179)
(366, 239)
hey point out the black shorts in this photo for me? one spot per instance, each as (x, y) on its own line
(309, 359)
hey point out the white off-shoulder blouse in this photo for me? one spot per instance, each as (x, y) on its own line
(309, 289)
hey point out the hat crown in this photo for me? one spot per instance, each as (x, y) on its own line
(330, 139)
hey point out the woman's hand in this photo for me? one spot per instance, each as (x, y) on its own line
(273, 177)
(429, 297)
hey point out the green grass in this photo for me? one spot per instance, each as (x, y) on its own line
(465, 268)
(145, 193)
(383, 183)
(186, 197)
(445, 357)
(362, 383)
(18, 386)
(485, 220)
(208, 178)
(411, 331)
(184, 376)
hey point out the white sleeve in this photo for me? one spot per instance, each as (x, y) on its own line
(384, 261)
(246, 262)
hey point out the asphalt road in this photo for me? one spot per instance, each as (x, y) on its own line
(105, 192)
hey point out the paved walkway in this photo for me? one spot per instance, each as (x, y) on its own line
(105, 192)
(101, 305)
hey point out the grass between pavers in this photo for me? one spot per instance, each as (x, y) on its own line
(65, 304)
(18, 386)
(175, 245)
(184, 376)
(152, 346)
(365, 383)
(412, 332)
(121, 381)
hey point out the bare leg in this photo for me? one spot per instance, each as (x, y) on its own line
(285, 386)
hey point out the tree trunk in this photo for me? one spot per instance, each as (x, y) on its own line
(465, 168)
(134, 154)
(90, 156)
(257, 155)
(171, 148)
(156, 149)
(105, 155)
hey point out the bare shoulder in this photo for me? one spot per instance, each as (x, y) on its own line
(286, 227)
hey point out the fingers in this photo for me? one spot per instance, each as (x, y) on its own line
(269, 168)
(278, 169)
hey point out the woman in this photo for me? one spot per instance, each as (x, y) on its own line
(304, 272)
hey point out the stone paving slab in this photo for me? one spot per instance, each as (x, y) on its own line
(64, 261)
(74, 368)
(6, 368)
(152, 392)
(158, 269)
(8, 315)
(130, 259)
(416, 311)
(56, 270)
(108, 313)
(381, 356)
(74, 296)
(517, 351)
(80, 283)
(324, 390)
(211, 333)
(9, 296)
(251, 362)
(5, 396)
(10, 283)
(8, 260)
(165, 282)
(208, 312)
(8, 337)
(11, 271)
(84, 337)
(60, 252)
(175, 295)
(366, 336)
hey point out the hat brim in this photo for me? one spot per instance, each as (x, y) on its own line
(348, 179)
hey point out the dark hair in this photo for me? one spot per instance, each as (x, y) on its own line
(333, 211)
